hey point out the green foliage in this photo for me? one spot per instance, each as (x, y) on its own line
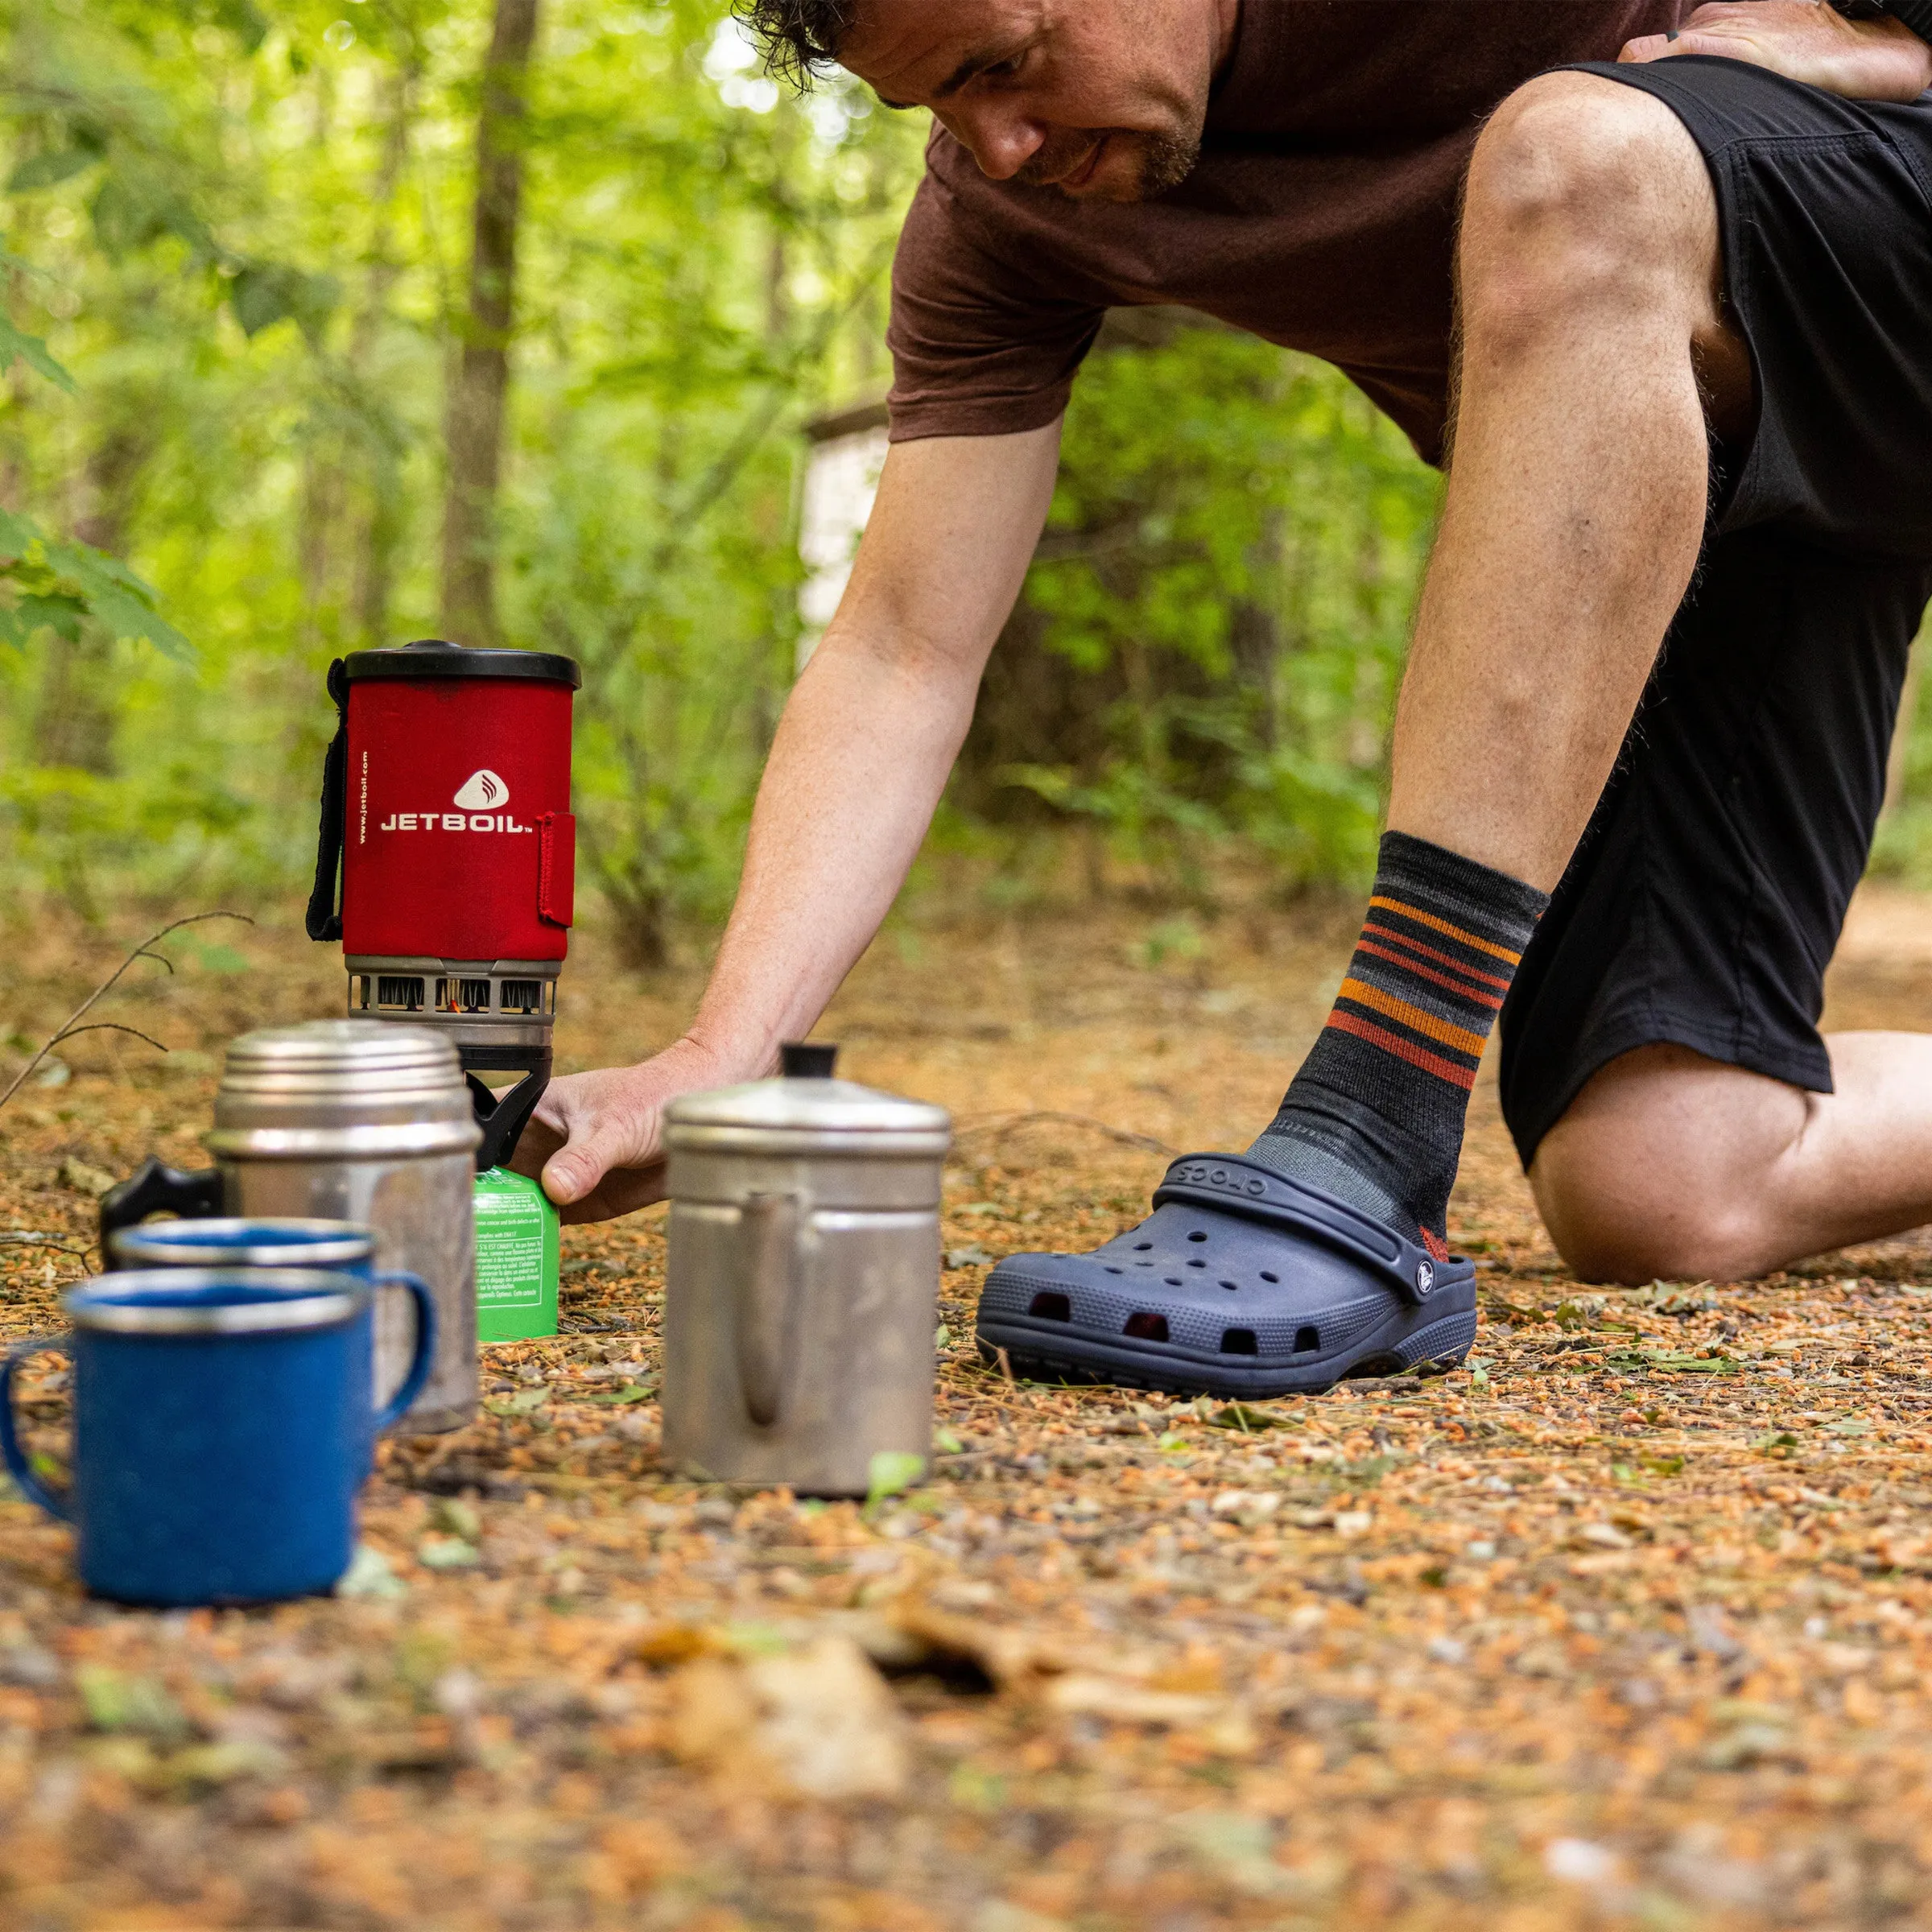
(244, 228)
(1234, 551)
(56, 584)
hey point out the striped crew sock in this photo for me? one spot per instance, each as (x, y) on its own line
(1375, 1114)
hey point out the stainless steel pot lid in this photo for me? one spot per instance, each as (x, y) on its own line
(808, 1109)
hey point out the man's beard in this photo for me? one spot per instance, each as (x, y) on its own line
(1165, 161)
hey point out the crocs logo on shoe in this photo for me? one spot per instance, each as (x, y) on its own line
(1201, 1175)
(1425, 1277)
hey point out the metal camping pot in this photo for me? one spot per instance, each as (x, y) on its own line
(358, 1121)
(803, 1287)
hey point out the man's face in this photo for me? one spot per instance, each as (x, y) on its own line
(1104, 99)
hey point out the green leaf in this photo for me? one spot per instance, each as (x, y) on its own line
(891, 1472)
(58, 580)
(45, 171)
(115, 1701)
(243, 20)
(946, 1443)
(1239, 1415)
(524, 1403)
(447, 1553)
(371, 1576)
(631, 1392)
(264, 293)
(16, 346)
(33, 611)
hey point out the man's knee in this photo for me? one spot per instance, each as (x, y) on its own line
(1661, 1170)
(1584, 196)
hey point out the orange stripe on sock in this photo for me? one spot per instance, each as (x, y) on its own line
(1423, 972)
(1429, 952)
(1455, 932)
(1413, 1016)
(1404, 1050)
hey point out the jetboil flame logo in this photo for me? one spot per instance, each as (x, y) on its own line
(478, 795)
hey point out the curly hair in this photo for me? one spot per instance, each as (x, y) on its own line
(800, 38)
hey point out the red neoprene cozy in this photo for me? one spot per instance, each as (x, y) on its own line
(458, 842)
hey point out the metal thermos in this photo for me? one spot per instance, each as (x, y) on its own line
(351, 1121)
(802, 1293)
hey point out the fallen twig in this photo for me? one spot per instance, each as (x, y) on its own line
(1000, 1125)
(21, 1237)
(72, 1027)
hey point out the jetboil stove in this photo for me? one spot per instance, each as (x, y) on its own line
(446, 815)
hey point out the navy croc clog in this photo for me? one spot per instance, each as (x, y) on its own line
(1242, 1282)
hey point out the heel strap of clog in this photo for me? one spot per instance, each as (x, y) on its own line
(1236, 1185)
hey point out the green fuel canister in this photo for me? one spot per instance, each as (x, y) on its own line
(516, 1258)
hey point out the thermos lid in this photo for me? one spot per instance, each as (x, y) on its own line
(341, 1087)
(805, 1110)
(435, 657)
(357, 1049)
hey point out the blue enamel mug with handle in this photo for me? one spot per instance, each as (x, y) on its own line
(224, 1421)
(245, 1241)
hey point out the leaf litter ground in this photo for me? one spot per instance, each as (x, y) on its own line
(1626, 1624)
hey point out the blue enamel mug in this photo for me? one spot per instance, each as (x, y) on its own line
(255, 1241)
(224, 1421)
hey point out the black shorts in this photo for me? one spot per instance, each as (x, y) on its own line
(1705, 901)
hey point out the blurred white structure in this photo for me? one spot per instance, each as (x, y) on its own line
(841, 479)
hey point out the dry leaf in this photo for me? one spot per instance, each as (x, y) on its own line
(816, 1721)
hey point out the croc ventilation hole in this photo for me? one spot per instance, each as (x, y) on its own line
(1234, 1287)
(1051, 1308)
(1306, 1339)
(1197, 1263)
(1267, 1277)
(1142, 1246)
(1197, 1236)
(1145, 1327)
(1238, 1341)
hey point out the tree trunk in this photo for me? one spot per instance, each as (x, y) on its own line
(381, 530)
(474, 426)
(74, 720)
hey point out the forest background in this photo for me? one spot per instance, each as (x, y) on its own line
(330, 324)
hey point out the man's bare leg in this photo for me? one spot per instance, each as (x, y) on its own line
(1595, 356)
(1589, 266)
(1670, 1165)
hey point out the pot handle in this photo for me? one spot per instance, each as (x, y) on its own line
(764, 1309)
(322, 921)
(155, 1188)
(397, 1405)
(57, 1503)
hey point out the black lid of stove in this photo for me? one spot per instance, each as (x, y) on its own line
(434, 658)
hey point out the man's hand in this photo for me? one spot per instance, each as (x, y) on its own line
(1804, 40)
(869, 732)
(597, 1139)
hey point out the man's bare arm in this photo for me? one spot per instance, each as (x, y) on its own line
(862, 753)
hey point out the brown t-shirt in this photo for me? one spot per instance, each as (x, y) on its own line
(1321, 214)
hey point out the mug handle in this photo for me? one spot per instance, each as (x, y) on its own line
(764, 1309)
(393, 1409)
(57, 1503)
